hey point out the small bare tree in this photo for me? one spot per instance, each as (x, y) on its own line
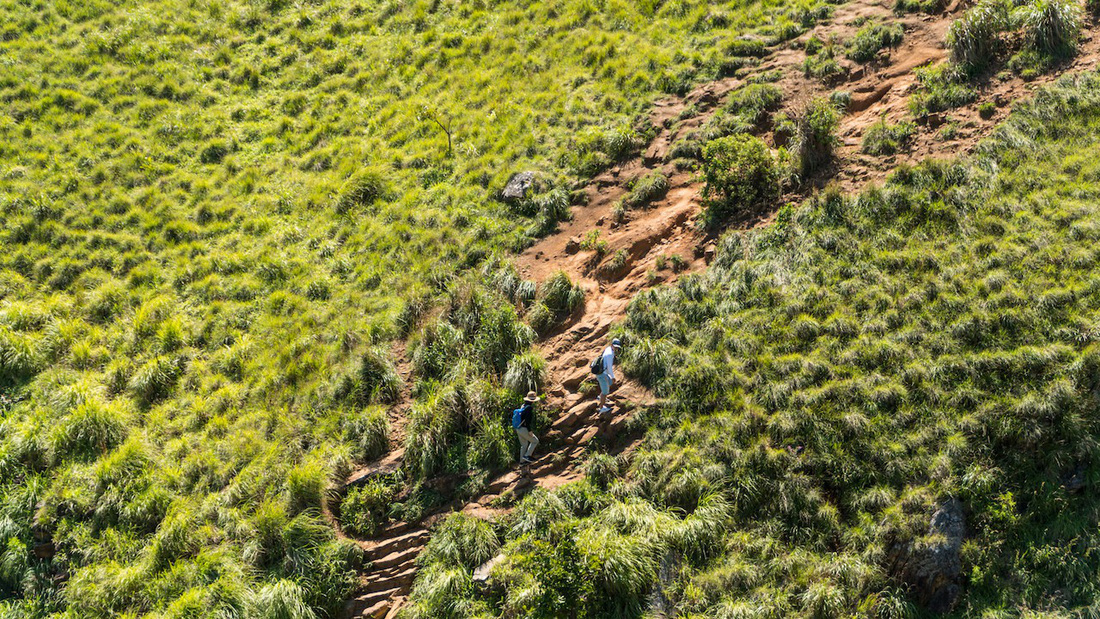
(427, 113)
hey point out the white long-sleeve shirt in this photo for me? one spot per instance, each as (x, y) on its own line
(609, 362)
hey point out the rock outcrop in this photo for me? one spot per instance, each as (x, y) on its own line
(518, 186)
(930, 566)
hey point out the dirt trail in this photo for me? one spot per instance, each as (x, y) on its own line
(662, 242)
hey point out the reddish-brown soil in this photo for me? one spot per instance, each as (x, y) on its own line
(652, 236)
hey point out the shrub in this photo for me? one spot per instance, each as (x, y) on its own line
(871, 38)
(941, 87)
(526, 372)
(363, 512)
(558, 299)
(646, 189)
(18, 360)
(369, 432)
(753, 102)
(1051, 27)
(987, 110)
(883, 138)
(305, 485)
(740, 175)
(214, 151)
(974, 39)
(461, 541)
(363, 188)
(815, 135)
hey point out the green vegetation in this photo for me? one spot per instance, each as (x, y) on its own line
(1051, 27)
(740, 175)
(815, 135)
(745, 111)
(827, 384)
(219, 215)
(821, 59)
(940, 87)
(1038, 33)
(974, 39)
(883, 138)
(1049, 32)
(872, 38)
(652, 186)
(918, 6)
(558, 299)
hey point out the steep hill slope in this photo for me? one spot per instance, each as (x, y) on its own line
(665, 229)
(880, 403)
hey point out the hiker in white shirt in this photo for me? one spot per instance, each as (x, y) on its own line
(607, 378)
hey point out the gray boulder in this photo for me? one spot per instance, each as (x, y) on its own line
(930, 566)
(518, 186)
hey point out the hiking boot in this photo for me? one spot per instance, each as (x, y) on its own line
(605, 410)
(526, 461)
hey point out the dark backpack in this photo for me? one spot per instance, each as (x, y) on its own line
(597, 365)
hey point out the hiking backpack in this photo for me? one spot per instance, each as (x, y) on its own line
(517, 417)
(597, 365)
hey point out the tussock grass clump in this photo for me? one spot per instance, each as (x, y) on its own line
(305, 485)
(883, 138)
(526, 372)
(1051, 27)
(361, 189)
(368, 431)
(974, 39)
(652, 186)
(872, 38)
(821, 59)
(371, 379)
(91, 430)
(365, 509)
(942, 87)
(461, 541)
(753, 102)
(815, 135)
(558, 299)
(18, 360)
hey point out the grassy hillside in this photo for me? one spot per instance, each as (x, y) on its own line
(832, 381)
(217, 215)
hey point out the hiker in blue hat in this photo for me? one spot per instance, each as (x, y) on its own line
(523, 421)
(604, 369)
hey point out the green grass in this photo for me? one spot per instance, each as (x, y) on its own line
(872, 38)
(939, 88)
(218, 216)
(883, 138)
(827, 382)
